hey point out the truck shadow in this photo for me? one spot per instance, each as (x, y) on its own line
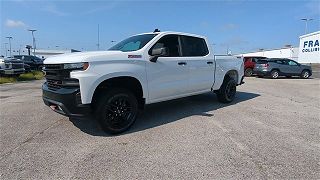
(163, 113)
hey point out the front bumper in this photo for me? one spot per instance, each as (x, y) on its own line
(261, 72)
(13, 71)
(65, 101)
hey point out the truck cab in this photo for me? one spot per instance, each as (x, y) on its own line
(142, 69)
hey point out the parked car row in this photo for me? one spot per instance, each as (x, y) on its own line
(275, 67)
(34, 62)
(19, 64)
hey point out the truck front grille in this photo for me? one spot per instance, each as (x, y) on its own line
(57, 77)
(55, 84)
(17, 65)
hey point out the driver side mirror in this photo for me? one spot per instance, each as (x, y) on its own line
(158, 52)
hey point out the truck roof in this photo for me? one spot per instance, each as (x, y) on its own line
(174, 32)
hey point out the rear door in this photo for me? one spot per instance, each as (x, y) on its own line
(279, 64)
(169, 76)
(201, 64)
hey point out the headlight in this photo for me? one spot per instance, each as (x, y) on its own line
(76, 66)
(8, 65)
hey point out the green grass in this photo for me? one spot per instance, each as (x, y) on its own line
(34, 75)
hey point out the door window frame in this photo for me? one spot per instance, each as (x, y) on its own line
(179, 46)
(199, 38)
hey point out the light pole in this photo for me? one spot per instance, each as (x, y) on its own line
(20, 49)
(306, 20)
(33, 40)
(9, 37)
(5, 47)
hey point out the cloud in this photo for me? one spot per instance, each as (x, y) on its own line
(51, 8)
(229, 26)
(15, 24)
(105, 7)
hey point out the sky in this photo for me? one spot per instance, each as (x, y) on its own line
(240, 26)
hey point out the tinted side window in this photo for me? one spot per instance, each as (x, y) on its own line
(285, 62)
(279, 61)
(171, 42)
(192, 46)
(292, 63)
(255, 60)
(26, 58)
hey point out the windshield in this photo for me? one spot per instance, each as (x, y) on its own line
(133, 43)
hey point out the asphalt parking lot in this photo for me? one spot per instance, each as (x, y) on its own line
(272, 130)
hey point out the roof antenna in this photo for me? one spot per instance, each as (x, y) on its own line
(156, 30)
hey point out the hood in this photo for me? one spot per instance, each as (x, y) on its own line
(12, 60)
(89, 57)
(305, 66)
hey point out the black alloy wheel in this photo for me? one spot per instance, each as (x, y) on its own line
(227, 91)
(230, 91)
(117, 110)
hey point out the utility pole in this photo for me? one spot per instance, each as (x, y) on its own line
(33, 40)
(9, 37)
(306, 27)
(98, 39)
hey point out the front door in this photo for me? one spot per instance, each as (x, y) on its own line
(168, 77)
(291, 68)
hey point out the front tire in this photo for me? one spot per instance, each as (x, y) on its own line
(227, 91)
(248, 72)
(305, 74)
(116, 110)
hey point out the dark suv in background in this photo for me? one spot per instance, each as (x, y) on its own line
(34, 62)
(275, 67)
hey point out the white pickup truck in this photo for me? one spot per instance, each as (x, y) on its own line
(142, 69)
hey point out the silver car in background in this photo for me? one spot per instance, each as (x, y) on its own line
(275, 67)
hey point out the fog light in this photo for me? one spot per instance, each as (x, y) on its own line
(60, 108)
(53, 107)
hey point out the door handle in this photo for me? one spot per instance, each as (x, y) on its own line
(209, 62)
(182, 63)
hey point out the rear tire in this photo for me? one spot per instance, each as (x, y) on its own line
(227, 91)
(248, 72)
(274, 74)
(305, 74)
(116, 110)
